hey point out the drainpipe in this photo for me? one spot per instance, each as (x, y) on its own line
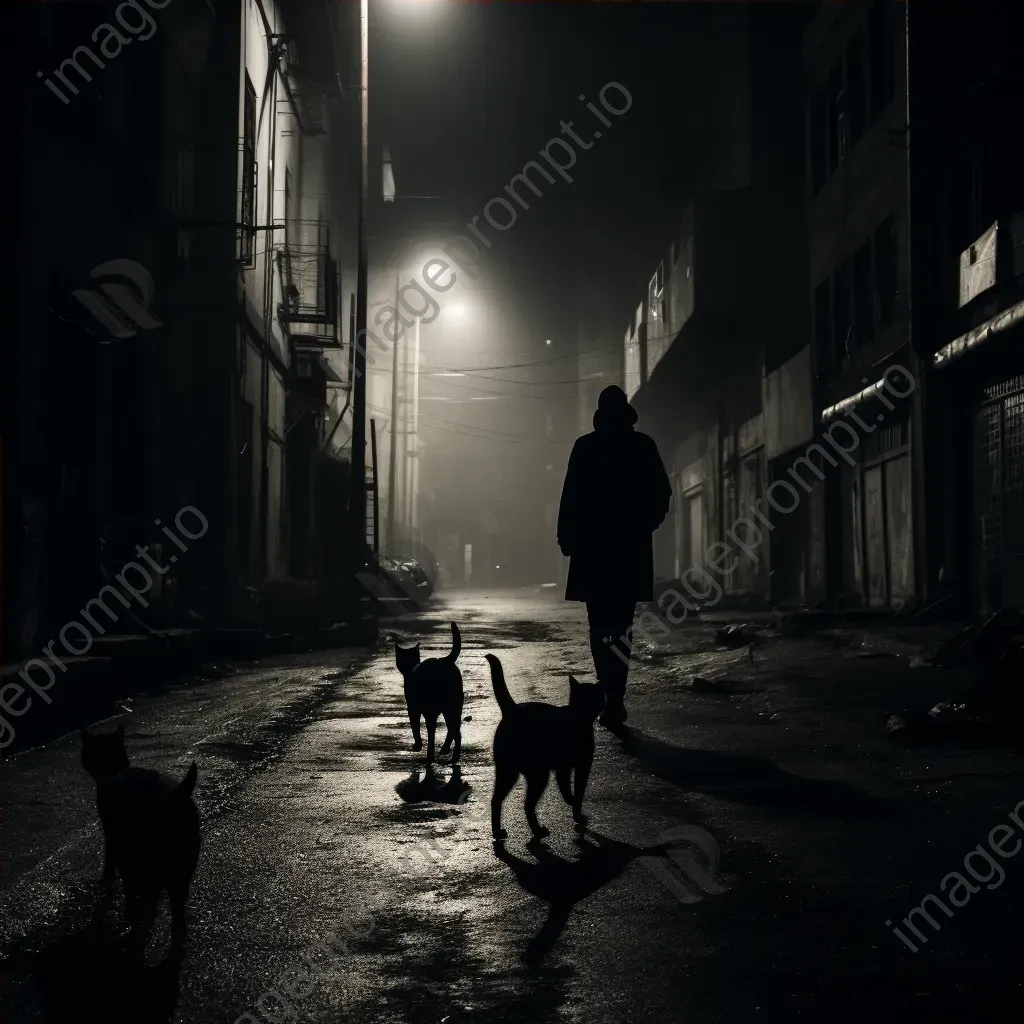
(917, 447)
(268, 312)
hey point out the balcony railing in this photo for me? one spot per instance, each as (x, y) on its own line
(309, 279)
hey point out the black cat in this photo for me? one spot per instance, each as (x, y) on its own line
(433, 689)
(536, 739)
(150, 830)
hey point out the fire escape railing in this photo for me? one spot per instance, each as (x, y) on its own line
(309, 280)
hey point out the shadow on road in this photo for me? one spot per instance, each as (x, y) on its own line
(563, 883)
(88, 975)
(430, 786)
(747, 780)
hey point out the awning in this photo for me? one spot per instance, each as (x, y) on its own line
(972, 339)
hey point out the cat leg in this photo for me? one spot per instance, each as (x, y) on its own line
(563, 777)
(448, 737)
(109, 861)
(582, 775)
(414, 721)
(431, 732)
(536, 783)
(178, 896)
(453, 723)
(504, 782)
(141, 912)
(457, 756)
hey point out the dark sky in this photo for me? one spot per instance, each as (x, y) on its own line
(466, 93)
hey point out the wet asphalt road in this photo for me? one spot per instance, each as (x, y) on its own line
(317, 825)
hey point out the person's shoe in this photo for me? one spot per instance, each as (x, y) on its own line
(613, 718)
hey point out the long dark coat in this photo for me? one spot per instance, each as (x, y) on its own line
(616, 494)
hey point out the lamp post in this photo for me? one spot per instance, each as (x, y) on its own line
(414, 440)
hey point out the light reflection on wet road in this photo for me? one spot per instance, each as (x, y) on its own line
(316, 815)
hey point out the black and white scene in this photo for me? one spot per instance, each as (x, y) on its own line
(513, 510)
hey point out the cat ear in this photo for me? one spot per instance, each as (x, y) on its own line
(573, 682)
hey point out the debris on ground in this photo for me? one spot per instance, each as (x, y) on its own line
(841, 639)
(994, 701)
(735, 636)
(701, 685)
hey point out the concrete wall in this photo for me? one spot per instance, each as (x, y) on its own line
(789, 414)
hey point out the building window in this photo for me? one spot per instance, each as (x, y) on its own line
(823, 323)
(289, 208)
(863, 303)
(856, 100)
(247, 213)
(818, 136)
(842, 311)
(182, 184)
(882, 57)
(839, 139)
(656, 294)
(887, 279)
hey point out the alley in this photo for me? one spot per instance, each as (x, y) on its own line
(318, 828)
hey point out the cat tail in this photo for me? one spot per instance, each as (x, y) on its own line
(188, 784)
(456, 644)
(504, 698)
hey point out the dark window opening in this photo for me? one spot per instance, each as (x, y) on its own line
(882, 57)
(247, 213)
(818, 142)
(842, 311)
(887, 282)
(837, 118)
(823, 323)
(863, 306)
(856, 100)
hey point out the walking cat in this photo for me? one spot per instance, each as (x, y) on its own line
(150, 830)
(535, 739)
(433, 689)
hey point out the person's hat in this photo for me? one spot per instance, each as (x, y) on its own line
(613, 400)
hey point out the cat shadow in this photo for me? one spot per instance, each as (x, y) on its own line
(562, 883)
(90, 968)
(748, 780)
(430, 786)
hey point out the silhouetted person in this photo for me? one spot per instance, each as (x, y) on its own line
(616, 494)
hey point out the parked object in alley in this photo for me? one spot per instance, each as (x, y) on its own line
(409, 578)
(535, 739)
(151, 834)
(433, 689)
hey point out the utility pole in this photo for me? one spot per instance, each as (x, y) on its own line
(393, 460)
(414, 520)
(357, 498)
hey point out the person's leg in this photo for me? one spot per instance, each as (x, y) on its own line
(619, 626)
(597, 620)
